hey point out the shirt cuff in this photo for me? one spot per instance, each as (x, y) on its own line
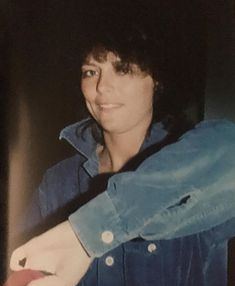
(98, 226)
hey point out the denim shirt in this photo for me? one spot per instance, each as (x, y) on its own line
(165, 223)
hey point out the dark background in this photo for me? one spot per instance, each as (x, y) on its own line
(39, 92)
(3, 133)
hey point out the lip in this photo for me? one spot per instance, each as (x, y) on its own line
(109, 106)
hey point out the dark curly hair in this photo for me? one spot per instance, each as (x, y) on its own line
(138, 33)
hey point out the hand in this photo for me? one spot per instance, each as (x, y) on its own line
(57, 252)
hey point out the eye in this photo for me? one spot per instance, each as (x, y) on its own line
(88, 73)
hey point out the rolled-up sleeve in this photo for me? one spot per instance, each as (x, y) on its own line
(185, 188)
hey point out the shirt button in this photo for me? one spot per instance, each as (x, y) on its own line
(152, 247)
(109, 261)
(107, 236)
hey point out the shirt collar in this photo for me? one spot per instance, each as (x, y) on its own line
(80, 136)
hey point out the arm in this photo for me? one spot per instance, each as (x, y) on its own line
(185, 188)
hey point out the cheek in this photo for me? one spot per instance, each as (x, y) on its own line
(142, 94)
(148, 92)
(83, 89)
(90, 106)
(87, 91)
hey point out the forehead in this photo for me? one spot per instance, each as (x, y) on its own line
(101, 57)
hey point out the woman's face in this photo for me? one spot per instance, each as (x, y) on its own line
(118, 100)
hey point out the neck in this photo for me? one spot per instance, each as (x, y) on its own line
(120, 148)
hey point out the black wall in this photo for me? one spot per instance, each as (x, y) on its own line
(220, 89)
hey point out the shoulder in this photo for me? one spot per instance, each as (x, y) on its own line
(63, 173)
(59, 185)
(62, 177)
(66, 167)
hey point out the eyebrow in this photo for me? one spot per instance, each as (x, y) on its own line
(88, 63)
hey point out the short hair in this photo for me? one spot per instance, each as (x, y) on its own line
(128, 31)
(138, 33)
(133, 40)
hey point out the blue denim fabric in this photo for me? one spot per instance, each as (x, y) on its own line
(171, 218)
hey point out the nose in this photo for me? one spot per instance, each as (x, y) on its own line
(104, 83)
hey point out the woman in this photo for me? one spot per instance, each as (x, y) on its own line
(152, 226)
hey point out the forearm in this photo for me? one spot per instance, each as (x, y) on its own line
(187, 187)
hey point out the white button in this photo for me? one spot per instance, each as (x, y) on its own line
(109, 261)
(107, 236)
(152, 247)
